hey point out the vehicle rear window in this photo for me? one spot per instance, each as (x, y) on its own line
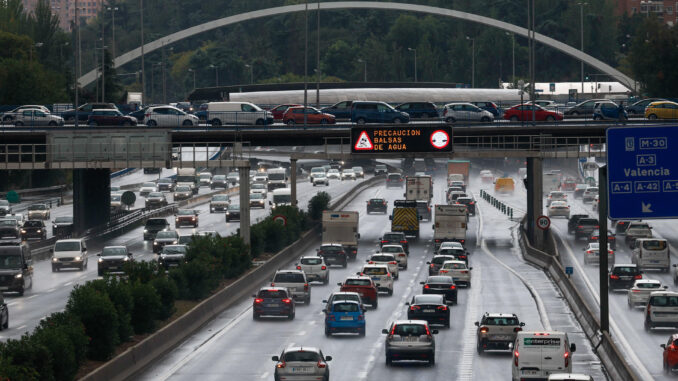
(156, 222)
(654, 244)
(625, 270)
(452, 252)
(426, 299)
(441, 260)
(394, 177)
(382, 258)
(409, 329)
(311, 261)
(664, 301)
(289, 278)
(345, 307)
(375, 271)
(391, 249)
(358, 282)
(377, 200)
(273, 294)
(300, 356)
(501, 321)
(587, 221)
(67, 246)
(331, 249)
(439, 279)
(392, 237)
(455, 266)
(648, 285)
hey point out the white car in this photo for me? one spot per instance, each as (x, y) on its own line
(321, 179)
(348, 174)
(385, 259)
(302, 363)
(592, 254)
(662, 310)
(595, 202)
(589, 194)
(359, 172)
(380, 275)
(147, 188)
(559, 208)
(334, 174)
(641, 290)
(458, 271)
(453, 112)
(315, 268)
(259, 188)
(69, 253)
(204, 179)
(555, 196)
(260, 178)
(398, 252)
(169, 116)
(315, 171)
(450, 245)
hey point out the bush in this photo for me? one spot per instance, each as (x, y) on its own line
(30, 359)
(167, 292)
(64, 336)
(146, 307)
(14, 372)
(99, 317)
(141, 271)
(317, 204)
(120, 293)
(198, 284)
(177, 276)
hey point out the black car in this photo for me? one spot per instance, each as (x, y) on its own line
(113, 259)
(572, 222)
(165, 237)
(378, 205)
(155, 200)
(584, 108)
(4, 313)
(431, 308)
(172, 256)
(425, 110)
(334, 254)
(219, 181)
(470, 203)
(440, 284)
(84, 111)
(457, 253)
(165, 185)
(585, 226)
(9, 229)
(611, 239)
(437, 262)
(623, 276)
(395, 238)
(16, 266)
(272, 301)
(33, 229)
(62, 226)
(153, 226)
(233, 212)
(394, 180)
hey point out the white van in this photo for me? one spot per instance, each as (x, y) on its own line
(281, 196)
(651, 253)
(219, 113)
(661, 310)
(569, 377)
(69, 253)
(538, 354)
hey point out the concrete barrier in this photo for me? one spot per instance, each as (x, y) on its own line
(136, 358)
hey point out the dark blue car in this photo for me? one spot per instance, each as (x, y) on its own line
(273, 301)
(491, 107)
(638, 108)
(377, 112)
(424, 110)
(608, 110)
(341, 110)
(345, 316)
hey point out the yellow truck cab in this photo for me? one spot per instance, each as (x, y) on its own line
(504, 185)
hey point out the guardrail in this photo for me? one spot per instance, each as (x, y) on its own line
(506, 209)
(607, 350)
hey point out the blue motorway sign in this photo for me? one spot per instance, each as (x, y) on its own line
(642, 172)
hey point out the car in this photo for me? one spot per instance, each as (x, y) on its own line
(333, 254)
(638, 108)
(584, 108)
(155, 200)
(238, 113)
(359, 172)
(38, 212)
(219, 181)
(259, 188)
(296, 283)
(165, 185)
(441, 284)
(611, 239)
(376, 112)
(204, 178)
(85, 110)
(380, 275)
(380, 169)
(497, 331)
(457, 183)
(339, 296)
(348, 174)
(363, 286)
(301, 363)
(639, 294)
(165, 237)
(34, 117)
(651, 253)
(410, 340)
(110, 117)
(486, 176)
(273, 301)
(636, 230)
(10, 228)
(153, 226)
(457, 254)
(470, 203)
(398, 252)
(334, 174)
(620, 226)
(147, 188)
(429, 307)
(169, 116)
(623, 276)
(394, 180)
(233, 212)
(568, 184)
(395, 238)
(661, 310)
(9, 116)
(320, 179)
(559, 208)
(458, 270)
(279, 110)
(33, 229)
(378, 205)
(316, 171)
(492, 107)
(579, 190)
(669, 355)
(69, 253)
(450, 245)
(296, 114)
(608, 110)
(16, 265)
(595, 202)
(219, 203)
(116, 202)
(345, 316)
(662, 110)
(182, 192)
(385, 259)
(589, 194)
(185, 217)
(536, 354)
(524, 113)
(424, 210)
(555, 196)
(257, 200)
(341, 110)
(454, 112)
(4, 313)
(5, 208)
(592, 254)
(573, 220)
(419, 110)
(437, 261)
(584, 227)
(315, 268)
(113, 259)
(172, 255)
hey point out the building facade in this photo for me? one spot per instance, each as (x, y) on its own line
(65, 9)
(662, 9)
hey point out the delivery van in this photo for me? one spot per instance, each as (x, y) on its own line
(504, 185)
(651, 253)
(538, 354)
(219, 113)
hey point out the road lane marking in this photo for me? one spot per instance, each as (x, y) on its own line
(469, 337)
(264, 375)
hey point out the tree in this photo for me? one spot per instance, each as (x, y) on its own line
(653, 54)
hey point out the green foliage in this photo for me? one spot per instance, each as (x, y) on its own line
(199, 279)
(167, 292)
(146, 307)
(29, 358)
(120, 293)
(64, 337)
(317, 204)
(99, 317)
(652, 57)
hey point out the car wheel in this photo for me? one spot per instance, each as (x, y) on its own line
(92, 124)
(361, 332)
(54, 269)
(450, 120)
(485, 119)
(397, 121)
(291, 316)
(479, 348)
(187, 123)
(550, 118)
(432, 359)
(514, 118)
(575, 113)
(652, 117)
(447, 324)
(390, 292)
(291, 122)
(360, 121)
(648, 325)
(21, 292)
(308, 299)
(389, 361)
(327, 279)
(323, 121)
(255, 316)
(344, 264)
(52, 124)
(216, 122)
(260, 122)
(19, 123)
(6, 325)
(327, 332)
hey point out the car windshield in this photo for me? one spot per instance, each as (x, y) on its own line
(166, 234)
(8, 223)
(375, 271)
(289, 278)
(155, 194)
(272, 294)
(428, 299)
(233, 174)
(311, 261)
(158, 222)
(441, 260)
(664, 301)
(178, 249)
(221, 197)
(501, 321)
(393, 237)
(348, 171)
(410, 330)
(113, 251)
(258, 186)
(67, 246)
(654, 244)
(115, 197)
(257, 196)
(345, 307)
(205, 176)
(148, 185)
(219, 178)
(37, 207)
(439, 279)
(33, 224)
(185, 212)
(10, 261)
(183, 188)
(234, 207)
(165, 181)
(300, 356)
(358, 282)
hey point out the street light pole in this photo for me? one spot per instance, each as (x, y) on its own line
(75, 62)
(473, 61)
(251, 67)
(113, 9)
(581, 25)
(306, 63)
(143, 67)
(415, 62)
(216, 74)
(365, 72)
(513, 56)
(317, 61)
(192, 71)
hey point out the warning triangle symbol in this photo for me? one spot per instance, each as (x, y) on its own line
(364, 142)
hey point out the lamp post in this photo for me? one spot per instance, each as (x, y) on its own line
(365, 71)
(152, 100)
(103, 70)
(216, 74)
(581, 27)
(305, 63)
(143, 67)
(415, 62)
(473, 61)
(76, 70)
(112, 10)
(30, 52)
(251, 67)
(192, 71)
(317, 88)
(513, 55)
(317, 61)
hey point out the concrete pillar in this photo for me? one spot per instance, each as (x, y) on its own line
(91, 198)
(245, 203)
(534, 200)
(293, 181)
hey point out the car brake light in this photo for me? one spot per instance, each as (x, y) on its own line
(615, 277)
(361, 317)
(298, 267)
(597, 226)
(433, 265)
(471, 203)
(445, 112)
(370, 262)
(453, 287)
(428, 333)
(594, 238)
(484, 329)
(516, 355)
(287, 300)
(580, 226)
(567, 358)
(414, 308)
(355, 251)
(443, 271)
(258, 300)
(280, 365)
(427, 286)
(393, 263)
(639, 276)
(272, 284)
(384, 241)
(323, 268)
(635, 290)
(589, 251)
(403, 241)
(517, 329)
(442, 308)
(305, 286)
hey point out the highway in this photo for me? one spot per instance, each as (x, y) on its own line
(235, 345)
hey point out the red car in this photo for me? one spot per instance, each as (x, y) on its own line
(314, 116)
(364, 286)
(670, 360)
(110, 117)
(524, 113)
(279, 110)
(568, 184)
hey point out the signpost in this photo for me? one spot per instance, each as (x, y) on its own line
(642, 172)
(280, 219)
(401, 139)
(543, 222)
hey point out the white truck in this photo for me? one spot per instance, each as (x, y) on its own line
(449, 224)
(551, 182)
(277, 178)
(341, 227)
(419, 188)
(281, 196)
(186, 177)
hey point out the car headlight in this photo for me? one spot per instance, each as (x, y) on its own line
(54, 259)
(126, 259)
(175, 242)
(101, 260)
(18, 276)
(155, 243)
(23, 231)
(145, 230)
(176, 219)
(39, 231)
(54, 226)
(78, 258)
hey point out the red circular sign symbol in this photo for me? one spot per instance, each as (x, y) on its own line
(280, 219)
(440, 139)
(543, 222)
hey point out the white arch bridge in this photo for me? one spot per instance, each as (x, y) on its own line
(192, 31)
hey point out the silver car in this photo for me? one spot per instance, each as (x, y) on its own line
(453, 112)
(37, 118)
(559, 208)
(410, 340)
(9, 116)
(38, 212)
(301, 364)
(147, 188)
